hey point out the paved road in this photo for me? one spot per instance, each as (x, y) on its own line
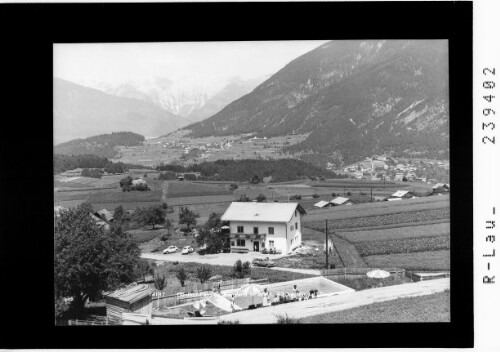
(226, 259)
(340, 302)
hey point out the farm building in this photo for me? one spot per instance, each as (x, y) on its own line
(341, 201)
(131, 299)
(254, 226)
(322, 204)
(104, 214)
(138, 181)
(440, 188)
(401, 195)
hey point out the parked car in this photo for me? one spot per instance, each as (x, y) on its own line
(170, 249)
(187, 250)
(265, 262)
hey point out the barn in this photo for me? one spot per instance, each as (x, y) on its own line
(322, 204)
(402, 195)
(441, 188)
(131, 299)
(341, 201)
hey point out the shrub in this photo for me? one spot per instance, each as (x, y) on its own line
(203, 273)
(228, 322)
(296, 197)
(285, 319)
(315, 195)
(202, 251)
(243, 198)
(233, 186)
(165, 237)
(241, 270)
(160, 278)
(348, 193)
(261, 198)
(181, 276)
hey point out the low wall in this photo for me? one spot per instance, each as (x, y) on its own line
(358, 273)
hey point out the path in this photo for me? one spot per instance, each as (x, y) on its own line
(164, 192)
(339, 302)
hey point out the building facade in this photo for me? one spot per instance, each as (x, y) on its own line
(255, 226)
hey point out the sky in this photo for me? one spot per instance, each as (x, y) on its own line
(114, 63)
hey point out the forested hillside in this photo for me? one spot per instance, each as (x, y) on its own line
(102, 145)
(245, 170)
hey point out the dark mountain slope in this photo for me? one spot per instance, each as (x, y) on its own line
(354, 98)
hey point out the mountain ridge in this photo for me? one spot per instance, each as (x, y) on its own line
(81, 112)
(381, 95)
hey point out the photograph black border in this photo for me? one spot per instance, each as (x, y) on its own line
(30, 30)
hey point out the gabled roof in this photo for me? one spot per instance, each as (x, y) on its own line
(105, 214)
(399, 193)
(132, 293)
(339, 200)
(321, 204)
(265, 212)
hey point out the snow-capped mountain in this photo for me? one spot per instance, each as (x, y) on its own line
(194, 98)
(180, 97)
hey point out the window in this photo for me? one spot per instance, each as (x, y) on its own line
(270, 230)
(296, 227)
(255, 230)
(271, 244)
(291, 228)
(295, 213)
(240, 243)
(232, 243)
(240, 229)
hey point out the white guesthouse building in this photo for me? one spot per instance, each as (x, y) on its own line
(255, 226)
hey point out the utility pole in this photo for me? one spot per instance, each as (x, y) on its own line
(337, 251)
(326, 242)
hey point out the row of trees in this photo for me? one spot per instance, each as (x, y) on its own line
(64, 163)
(94, 173)
(203, 273)
(251, 170)
(244, 198)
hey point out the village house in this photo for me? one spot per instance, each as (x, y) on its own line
(254, 226)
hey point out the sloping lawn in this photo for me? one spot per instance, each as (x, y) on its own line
(430, 308)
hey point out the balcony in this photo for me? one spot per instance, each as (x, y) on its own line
(247, 236)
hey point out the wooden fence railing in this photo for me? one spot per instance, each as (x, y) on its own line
(190, 294)
(357, 273)
(89, 322)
